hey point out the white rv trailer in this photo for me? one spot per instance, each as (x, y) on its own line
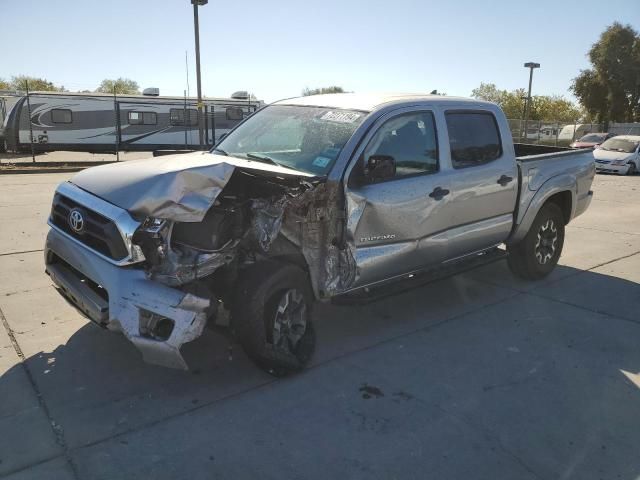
(7, 100)
(95, 122)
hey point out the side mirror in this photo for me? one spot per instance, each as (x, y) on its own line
(380, 167)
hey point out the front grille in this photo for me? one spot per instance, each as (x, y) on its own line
(602, 161)
(99, 233)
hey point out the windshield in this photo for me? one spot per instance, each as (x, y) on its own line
(593, 137)
(299, 137)
(620, 145)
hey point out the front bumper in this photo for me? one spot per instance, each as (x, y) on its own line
(124, 299)
(608, 168)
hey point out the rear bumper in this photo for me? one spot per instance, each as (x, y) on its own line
(583, 203)
(123, 299)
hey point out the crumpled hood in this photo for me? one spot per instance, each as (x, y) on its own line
(179, 187)
(600, 154)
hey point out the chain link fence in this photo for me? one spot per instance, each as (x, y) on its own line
(549, 132)
(562, 134)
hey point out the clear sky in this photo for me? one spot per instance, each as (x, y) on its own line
(276, 48)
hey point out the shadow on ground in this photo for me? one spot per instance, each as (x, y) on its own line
(455, 378)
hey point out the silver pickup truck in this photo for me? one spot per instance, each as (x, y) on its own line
(309, 199)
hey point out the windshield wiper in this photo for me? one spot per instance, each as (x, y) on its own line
(262, 158)
(219, 150)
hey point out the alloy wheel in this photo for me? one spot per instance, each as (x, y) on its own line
(546, 242)
(290, 321)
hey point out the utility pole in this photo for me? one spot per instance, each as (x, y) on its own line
(531, 66)
(196, 29)
(116, 114)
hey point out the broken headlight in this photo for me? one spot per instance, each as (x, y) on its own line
(151, 238)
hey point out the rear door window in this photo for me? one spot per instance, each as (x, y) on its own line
(474, 138)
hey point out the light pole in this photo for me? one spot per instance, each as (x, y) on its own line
(531, 66)
(196, 29)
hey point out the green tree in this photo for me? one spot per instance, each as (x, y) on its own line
(319, 91)
(610, 89)
(21, 82)
(4, 85)
(124, 86)
(554, 108)
(489, 92)
(543, 107)
(592, 94)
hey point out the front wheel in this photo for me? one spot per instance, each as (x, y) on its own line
(271, 316)
(632, 169)
(537, 254)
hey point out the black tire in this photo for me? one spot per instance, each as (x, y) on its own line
(632, 169)
(538, 253)
(254, 314)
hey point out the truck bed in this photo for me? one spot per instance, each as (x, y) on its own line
(528, 149)
(539, 164)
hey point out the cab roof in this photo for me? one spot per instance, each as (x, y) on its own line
(371, 101)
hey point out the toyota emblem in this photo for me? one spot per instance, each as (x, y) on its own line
(76, 220)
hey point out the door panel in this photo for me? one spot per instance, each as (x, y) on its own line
(485, 184)
(391, 222)
(397, 226)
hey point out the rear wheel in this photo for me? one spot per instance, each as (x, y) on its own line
(271, 315)
(539, 251)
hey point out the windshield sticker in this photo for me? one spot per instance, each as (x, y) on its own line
(321, 162)
(330, 152)
(341, 117)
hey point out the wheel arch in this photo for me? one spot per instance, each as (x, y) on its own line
(560, 190)
(564, 200)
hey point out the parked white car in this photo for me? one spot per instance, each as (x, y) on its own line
(619, 155)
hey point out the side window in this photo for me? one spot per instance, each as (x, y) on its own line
(61, 115)
(411, 140)
(176, 117)
(473, 137)
(149, 118)
(143, 118)
(234, 113)
(135, 118)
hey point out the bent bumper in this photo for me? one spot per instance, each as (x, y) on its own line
(123, 299)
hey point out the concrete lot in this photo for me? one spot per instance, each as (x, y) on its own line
(478, 376)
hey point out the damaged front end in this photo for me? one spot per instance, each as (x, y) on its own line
(194, 236)
(300, 218)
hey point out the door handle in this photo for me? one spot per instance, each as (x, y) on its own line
(504, 179)
(438, 193)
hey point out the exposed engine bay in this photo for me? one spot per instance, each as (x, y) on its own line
(252, 218)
